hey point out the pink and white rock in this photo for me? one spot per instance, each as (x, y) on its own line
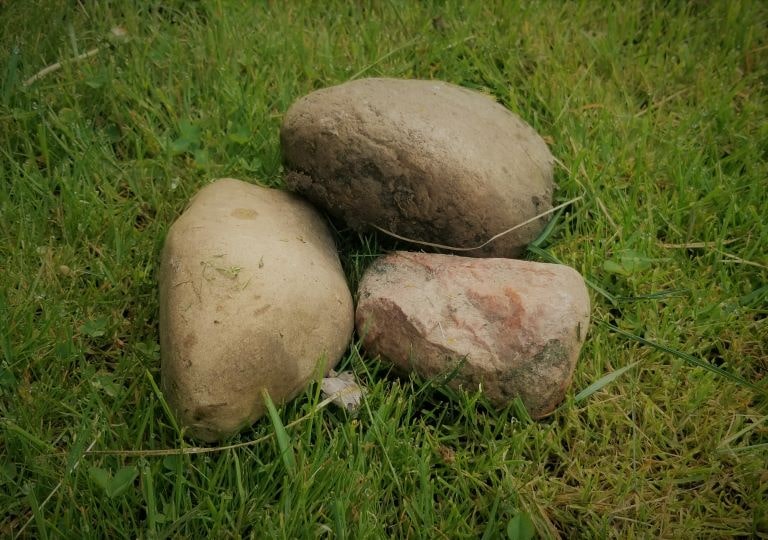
(515, 327)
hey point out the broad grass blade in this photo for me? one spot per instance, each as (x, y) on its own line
(602, 382)
(283, 441)
(687, 357)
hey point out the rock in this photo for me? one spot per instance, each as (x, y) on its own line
(517, 326)
(252, 297)
(423, 159)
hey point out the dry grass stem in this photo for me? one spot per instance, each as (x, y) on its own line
(489, 241)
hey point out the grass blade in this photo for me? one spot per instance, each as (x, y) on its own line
(521, 411)
(396, 50)
(602, 382)
(753, 448)
(164, 404)
(148, 488)
(11, 74)
(42, 529)
(283, 441)
(26, 435)
(687, 357)
(654, 295)
(545, 234)
(490, 526)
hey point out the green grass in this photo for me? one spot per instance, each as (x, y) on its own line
(659, 116)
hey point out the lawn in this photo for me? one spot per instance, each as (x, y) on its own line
(658, 115)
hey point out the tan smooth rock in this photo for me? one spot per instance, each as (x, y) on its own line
(252, 298)
(427, 160)
(517, 325)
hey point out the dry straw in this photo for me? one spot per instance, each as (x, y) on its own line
(481, 246)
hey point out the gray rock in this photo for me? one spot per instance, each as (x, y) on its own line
(513, 328)
(252, 298)
(426, 160)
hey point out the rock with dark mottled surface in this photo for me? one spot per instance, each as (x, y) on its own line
(426, 160)
(252, 298)
(515, 328)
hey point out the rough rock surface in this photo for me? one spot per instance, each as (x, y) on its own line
(515, 327)
(252, 297)
(423, 159)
